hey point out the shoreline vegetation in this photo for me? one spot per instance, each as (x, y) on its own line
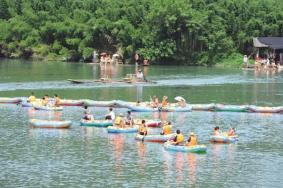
(195, 32)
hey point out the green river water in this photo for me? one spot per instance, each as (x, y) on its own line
(90, 157)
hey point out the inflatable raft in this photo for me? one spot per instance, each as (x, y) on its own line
(96, 123)
(231, 108)
(114, 129)
(149, 122)
(258, 109)
(203, 107)
(192, 149)
(155, 137)
(10, 100)
(65, 102)
(36, 123)
(27, 104)
(48, 108)
(223, 139)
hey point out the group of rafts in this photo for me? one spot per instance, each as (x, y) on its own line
(172, 141)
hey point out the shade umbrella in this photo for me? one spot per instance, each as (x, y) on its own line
(179, 98)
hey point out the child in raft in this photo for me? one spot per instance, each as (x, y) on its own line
(143, 128)
(129, 119)
(110, 115)
(164, 101)
(57, 100)
(119, 121)
(31, 98)
(216, 131)
(166, 129)
(231, 132)
(87, 114)
(192, 141)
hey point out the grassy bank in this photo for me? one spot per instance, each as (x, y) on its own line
(234, 60)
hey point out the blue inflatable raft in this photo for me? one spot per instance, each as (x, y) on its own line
(114, 129)
(96, 123)
(192, 149)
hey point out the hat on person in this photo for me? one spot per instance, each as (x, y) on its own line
(121, 115)
(192, 134)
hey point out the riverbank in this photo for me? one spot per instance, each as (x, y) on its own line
(234, 60)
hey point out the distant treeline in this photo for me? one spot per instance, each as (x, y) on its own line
(183, 31)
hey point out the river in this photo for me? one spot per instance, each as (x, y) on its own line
(90, 157)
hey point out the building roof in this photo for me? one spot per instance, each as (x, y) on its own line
(271, 42)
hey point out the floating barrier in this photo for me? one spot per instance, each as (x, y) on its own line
(192, 149)
(98, 103)
(187, 108)
(258, 109)
(143, 109)
(96, 123)
(231, 108)
(65, 102)
(37, 123)
(203, 107)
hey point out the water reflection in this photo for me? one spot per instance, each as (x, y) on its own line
(179, 164)
(141, 148)
(117, 141)
(139, 89)
(108, 70)
(44, 115)
(43, 133)
(192, 163)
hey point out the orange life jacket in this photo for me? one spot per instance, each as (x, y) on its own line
(193, 141)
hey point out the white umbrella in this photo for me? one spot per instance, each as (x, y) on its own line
(179, 98)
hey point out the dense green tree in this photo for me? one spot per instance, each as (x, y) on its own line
(181, 31)
(4, 10)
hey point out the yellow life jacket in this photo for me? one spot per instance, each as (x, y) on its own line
(167, 129)
(180, 138)
(142, 129)
(32, 98)
(118, 120)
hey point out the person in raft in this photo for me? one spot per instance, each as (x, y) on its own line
(129, 119)
(57, 100)
(45, 100)
(110, 115)
(231, 132)
(31, 98)
(166, 129)
(164, 101)
(216, 131)
(87, 114)
(179, 139)
(143, 128)
(119, 121)
(192, 141)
